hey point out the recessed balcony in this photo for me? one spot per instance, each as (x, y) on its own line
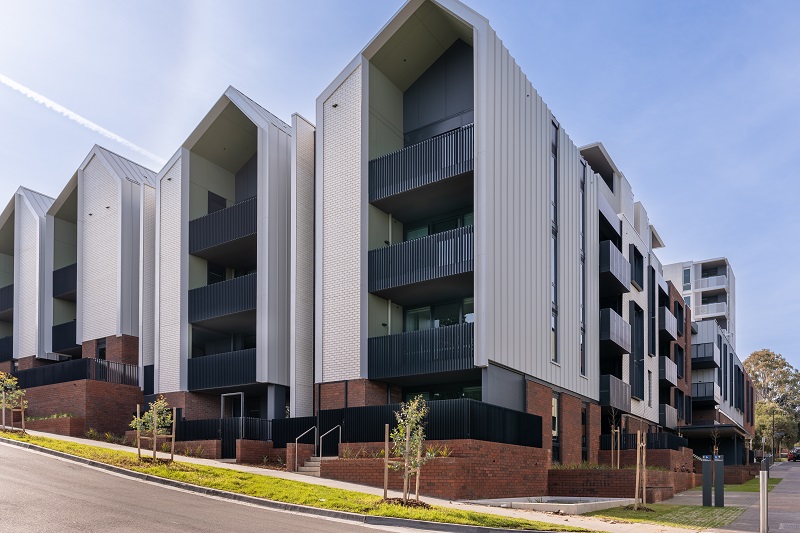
(6, 349)
(615, 270)
(63, 339)
(427, 351)
(719, 308)
(65, 282)
(667, 323)
(712, 282)
(667, 371)
(667, 416)
(615, 393)
(7, 302)
(615, 333)
(230, 304)
(222, 370)
(227, 236)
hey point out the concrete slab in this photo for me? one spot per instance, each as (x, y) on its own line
(555, 504)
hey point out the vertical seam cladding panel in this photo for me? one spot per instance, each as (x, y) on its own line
(147, 326)
(26, 306)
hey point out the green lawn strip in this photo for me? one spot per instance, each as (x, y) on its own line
(283, 490)
(751, 485)
(689, 516)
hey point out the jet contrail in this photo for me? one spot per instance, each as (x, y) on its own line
(86, 123)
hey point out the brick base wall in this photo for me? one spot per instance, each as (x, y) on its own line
(25, 363)
(195, 406)
(661, 485)
(672, 460)
(104, 406)
(475, 469)
(359, 392)
(6, 366)
(539, 402)
(254, 452)
(124, 349)
(71, 427)
(304, 453)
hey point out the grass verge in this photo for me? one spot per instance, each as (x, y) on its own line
(688, 516)
(751, 485)
(283, 490)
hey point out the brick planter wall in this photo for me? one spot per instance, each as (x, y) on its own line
(674, 461)
(195, 406)
(211, 449)
(661, 485)
(304, 453)
(71, 426)
(254, 451)
(475, 469)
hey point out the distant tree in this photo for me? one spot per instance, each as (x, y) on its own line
(785, 422)
(775, 380)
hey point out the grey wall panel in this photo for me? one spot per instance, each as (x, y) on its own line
(246, 179)
(503, 387)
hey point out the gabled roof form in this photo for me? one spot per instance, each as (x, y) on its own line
(260, 116)
(39, 202)
(126, 168)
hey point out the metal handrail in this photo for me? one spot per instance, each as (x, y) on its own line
(323, 436)
(296, 442)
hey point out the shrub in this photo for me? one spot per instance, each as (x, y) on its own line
(92, 434)
(159, 414)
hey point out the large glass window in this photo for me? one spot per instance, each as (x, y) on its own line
(423, 228)
(447, 314)
(687, 279)
(417, 319)
(554, 242)
(440, 315)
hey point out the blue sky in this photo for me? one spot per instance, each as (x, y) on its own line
(697, 102)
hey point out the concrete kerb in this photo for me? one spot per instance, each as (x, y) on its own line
(269, 504)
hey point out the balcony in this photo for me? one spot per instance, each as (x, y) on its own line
(6, 349)
(64, 339)
(65, 282)
(428, 351)
(222, 370)
(615, 393)
(226, 298)
(7, 302)
(77, 370)
(667, 323)
(615, 270)
(615, 333)
(667, 416)
(705, 355)
(442, 255)
(712, 282)
(227, 236)
(667, 371)
(705, 394)
(424, 163)
(719, 308)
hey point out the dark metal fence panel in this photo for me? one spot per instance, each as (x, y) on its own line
(422, 352)
(6, 348)
(222, 370)
(7, 298)
(655, 441)
(149, 379)
(65, 280)
(224, 298)
(443, 254)
(64, 336)
(285, 430)
(79, 369)
(256, 429)
(423, 163)
(208, 429)
(225, 225)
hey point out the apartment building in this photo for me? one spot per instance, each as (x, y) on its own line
(710, 287)
(22, 252)
(233, 278)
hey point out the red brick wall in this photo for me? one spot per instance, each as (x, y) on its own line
(661, 485)
(672, 460)
(209, 449)
(304, 453)
(105, 406)
(25, 363)
(6, 366)
(475, 469)
(360, 392)
(539, 401)
(72, 426)
(254, 451)
(124, 349)
(195, 406)
(330, 396)
(89, 349)
(595, 420)
(571, 430)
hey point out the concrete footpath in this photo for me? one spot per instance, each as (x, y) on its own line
(575, 521)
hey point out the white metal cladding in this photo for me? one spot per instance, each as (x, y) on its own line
(100, 247)
(26, 288)
(147, 276)
(341, 223)
(272, 339)
(168, 350)
(130, 226)
(301, 357)
(512, 235)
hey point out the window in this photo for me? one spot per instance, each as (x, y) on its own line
(215, 202)
(554, 242)
(687, 300)
(440, 315)
(649, 388)
(100, 349)
(582, 288)
(584, 434)
(216, 273)
(725, 371)
(687, 279)
(678, 310)
(680, 360)
(556, 427)
(651, 311)
(637, 267)
(637, 347)
(423, 228)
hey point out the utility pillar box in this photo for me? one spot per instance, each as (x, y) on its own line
(714, 469)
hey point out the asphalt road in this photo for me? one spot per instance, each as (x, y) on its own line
(40, 493)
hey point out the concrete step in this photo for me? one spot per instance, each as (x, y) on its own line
(312, 474)
(308, 469)
(317, 460)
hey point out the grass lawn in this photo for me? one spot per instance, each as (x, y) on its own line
(283, 490)
(689, 516)
(751, 485)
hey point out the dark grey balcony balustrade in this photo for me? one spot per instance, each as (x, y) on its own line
(222, 370)
(615, 333)
(615, 270)
(6, 349)
(667, 323)
(426, 162)
(7, 298)
(615, 393)
(667, 371)
(77, 370)
(236, 295)
(702, 392)
(667, 416)
(234, 222)
(705, 355)
(65, 282)
(424, 259)
(426, 351)
(64, 337)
